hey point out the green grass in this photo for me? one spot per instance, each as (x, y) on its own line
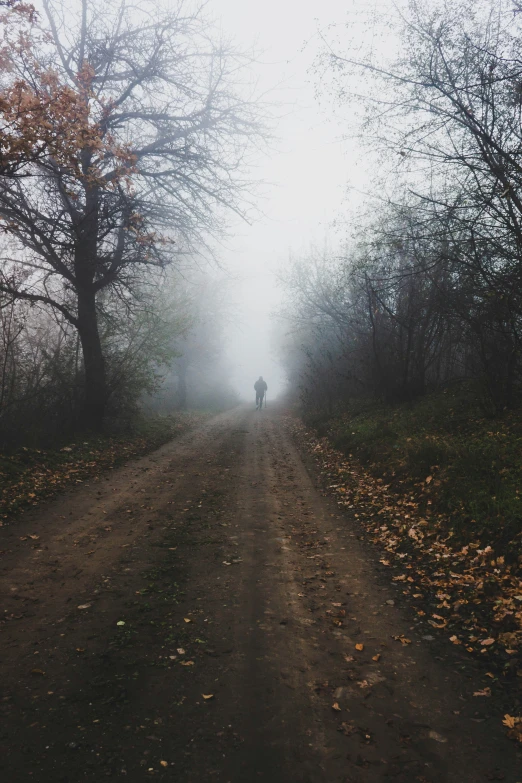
(475, 462)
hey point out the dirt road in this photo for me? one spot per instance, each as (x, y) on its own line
(207, 614)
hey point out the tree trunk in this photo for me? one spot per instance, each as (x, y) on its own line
(95, 389)
(182, 383)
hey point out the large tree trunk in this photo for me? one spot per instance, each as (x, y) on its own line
(95, 390)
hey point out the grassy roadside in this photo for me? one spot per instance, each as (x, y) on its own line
(29, 475)
(463, 469)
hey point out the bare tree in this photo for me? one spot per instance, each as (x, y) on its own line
(151, 119)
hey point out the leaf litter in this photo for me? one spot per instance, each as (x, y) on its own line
(476, 592)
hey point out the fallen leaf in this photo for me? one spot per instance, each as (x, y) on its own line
(455, 639)
(187, 663)
(207, 696)
(402, 639)
(376, 657)
(120, 622)
(35, 538)
(335, 706)
(437, 625)
(487, 642)
(485, 692)
(164, 763)
(187, 619)
(359, 647)
(180, 651)
(84, 606)
(510, 721)
(38, 672)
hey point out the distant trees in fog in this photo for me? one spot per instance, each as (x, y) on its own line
(198, 375)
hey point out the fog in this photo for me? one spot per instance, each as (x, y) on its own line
(306, 171)
(183, 288)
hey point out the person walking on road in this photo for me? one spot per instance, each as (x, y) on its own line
(260, 387)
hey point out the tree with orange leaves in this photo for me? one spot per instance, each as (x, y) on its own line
(123, 135)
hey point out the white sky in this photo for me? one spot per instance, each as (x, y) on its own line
(309, 170)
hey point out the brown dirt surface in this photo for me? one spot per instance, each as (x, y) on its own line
(208, 614)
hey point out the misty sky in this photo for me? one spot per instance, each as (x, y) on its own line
(308, 169)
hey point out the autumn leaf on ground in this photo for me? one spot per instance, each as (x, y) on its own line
(164, 763)
(187, 663)
(207, 696)
(437, 625)
(335, 706)
(515, 727)
(359, 647)
(485, 692)
(187, 619)
(455, 639)
(402, 639)
(84, 606)
(487, 642)
(376, 657)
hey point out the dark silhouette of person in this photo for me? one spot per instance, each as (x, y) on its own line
(260, 387)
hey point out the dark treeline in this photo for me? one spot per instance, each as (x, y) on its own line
(429, 293)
